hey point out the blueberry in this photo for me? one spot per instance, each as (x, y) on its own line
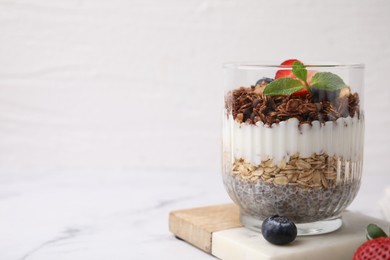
(264, 79)
(279, 230)
(324, 95)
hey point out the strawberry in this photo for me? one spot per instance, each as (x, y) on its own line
(287, 73)
(300, 93)
(310, 74)
(376, 249)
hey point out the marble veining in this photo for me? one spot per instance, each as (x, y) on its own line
(66, 234)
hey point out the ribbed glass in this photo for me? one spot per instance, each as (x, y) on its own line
(289, 164)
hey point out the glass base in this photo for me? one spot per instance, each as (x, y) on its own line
(304, 229)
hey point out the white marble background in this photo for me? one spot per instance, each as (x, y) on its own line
(109, 112)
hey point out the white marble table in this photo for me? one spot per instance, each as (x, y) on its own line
(82, 215)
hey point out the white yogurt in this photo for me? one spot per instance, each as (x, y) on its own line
(256, 143)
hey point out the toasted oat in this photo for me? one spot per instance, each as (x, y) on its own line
(281, 180)
(301, 164)
(324, 181)
(258, 172)
(316, 178)
(282, 164)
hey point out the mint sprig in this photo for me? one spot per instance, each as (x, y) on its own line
(283, 86)
(327, 81)
(299, 70)
(287, 86)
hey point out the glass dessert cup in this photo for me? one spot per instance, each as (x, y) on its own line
(298, 155)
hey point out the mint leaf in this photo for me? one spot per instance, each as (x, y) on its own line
(327, 81)
(283, 86)
(299, 70)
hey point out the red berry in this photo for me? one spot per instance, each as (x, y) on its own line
(376, 249)
(286, 73)
(310, 74)
(303, 92)
(300, 93)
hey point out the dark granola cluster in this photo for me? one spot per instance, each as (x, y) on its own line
(250, 106)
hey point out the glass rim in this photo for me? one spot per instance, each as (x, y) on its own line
(269, 65)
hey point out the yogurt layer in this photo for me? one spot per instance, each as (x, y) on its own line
(255, 143)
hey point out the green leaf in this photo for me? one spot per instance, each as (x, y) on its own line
(373, 231)
(299, 70)
(327, 81)
(283, 86)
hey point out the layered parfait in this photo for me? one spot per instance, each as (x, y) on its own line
(293, 145)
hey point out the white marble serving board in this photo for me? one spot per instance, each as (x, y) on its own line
(242, 243)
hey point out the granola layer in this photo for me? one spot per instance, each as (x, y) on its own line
(248, 105)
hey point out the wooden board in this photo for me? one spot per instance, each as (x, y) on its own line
(197, 225)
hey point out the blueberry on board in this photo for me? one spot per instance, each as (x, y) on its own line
(264, 79)
(279, 230)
